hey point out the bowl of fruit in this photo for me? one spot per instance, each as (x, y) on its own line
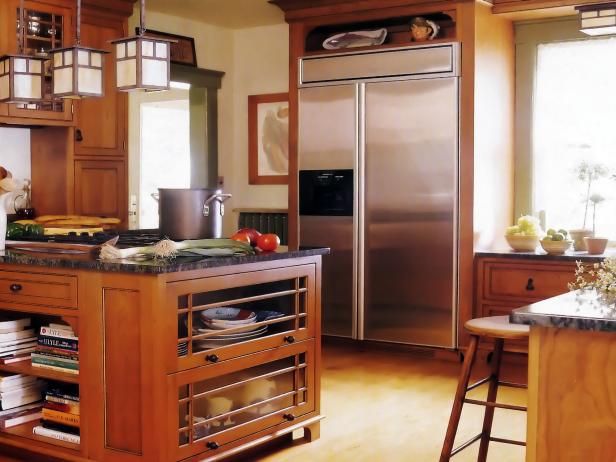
(524, 237)
(556, 242)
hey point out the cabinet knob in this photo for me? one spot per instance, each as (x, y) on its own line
(212, 358)
(213, 445)
(530, 285)
(289, 417)
(78, 135)
(289, 339)
(15, 287)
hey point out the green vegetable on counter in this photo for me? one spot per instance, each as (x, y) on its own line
(17, 231)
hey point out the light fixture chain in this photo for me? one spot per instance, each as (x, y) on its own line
(142, 17)
(78, 38)
(22, 28)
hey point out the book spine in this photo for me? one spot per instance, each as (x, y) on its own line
(57, 400)
(42, 431)
(55, 342)
(60, 407)
(56, 368)
(22, 417)
(65, 358)
(61, 393)
(16, 335)
(56, 351)
(63, 418)
(54, 362)
(58, 333)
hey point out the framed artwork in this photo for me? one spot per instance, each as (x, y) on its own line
(268, 139)
(182, 52)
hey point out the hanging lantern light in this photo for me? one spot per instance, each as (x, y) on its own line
(143, 63)
(78, 71)
(598, 19)
(21, 75)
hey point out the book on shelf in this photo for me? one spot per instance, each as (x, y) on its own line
(43, 349)
(18, 345)
(58, 435)
(64, 418)
(72, 408)
(60, 427)
(56, 368)
(7, 337)
(68, 391)
(54, 399)
(58, 333)
(20, 417)
(22, 390)
(39, 353)
(25, 407)
(9, 381)
(17, 356)
(15, 401)
(10, 324)
(57, 342)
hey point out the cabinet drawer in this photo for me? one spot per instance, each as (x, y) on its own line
(283, 299)
(212, 406)
(38, 289)
(525, 282)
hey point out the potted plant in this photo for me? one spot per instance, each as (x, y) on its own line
(595, 245)
(587, 173)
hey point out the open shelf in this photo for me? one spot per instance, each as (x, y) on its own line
(25, 367)
(385, 46)
(25, 431)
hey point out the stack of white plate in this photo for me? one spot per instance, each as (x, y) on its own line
(222, 318)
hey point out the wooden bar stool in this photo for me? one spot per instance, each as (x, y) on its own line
(498, 328)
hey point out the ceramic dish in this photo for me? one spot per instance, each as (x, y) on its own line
(217, 343)
(556, 247)
(268, 315)
(220, 336)
(228, 316)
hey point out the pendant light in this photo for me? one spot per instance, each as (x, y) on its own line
(78, 71)
(598, 19)
(143, 63)
(21, 75)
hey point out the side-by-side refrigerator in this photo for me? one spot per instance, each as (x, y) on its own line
(378, 161)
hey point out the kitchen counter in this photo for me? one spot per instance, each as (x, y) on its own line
(569, 311)
(178, 264)
(571, 378)
(543, 256)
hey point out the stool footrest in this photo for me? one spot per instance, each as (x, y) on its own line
(507, 441)
(479, 383)
(465, 445)
(512, 385)
(498, 405)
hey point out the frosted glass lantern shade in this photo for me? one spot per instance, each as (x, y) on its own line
(143, 63)
(598, 20)
(78, 72)
(21, 79)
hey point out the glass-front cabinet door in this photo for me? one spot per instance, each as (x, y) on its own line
(215, 405)
(46, 27)
(223, 317)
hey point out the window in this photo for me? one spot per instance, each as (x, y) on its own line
(574, 141)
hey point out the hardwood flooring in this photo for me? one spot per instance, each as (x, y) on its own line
(393, 406)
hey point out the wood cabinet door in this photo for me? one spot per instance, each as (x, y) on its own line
(101, 128)
(100, 188)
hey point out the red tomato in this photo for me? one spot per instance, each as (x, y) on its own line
(268, 242)
(252, 233)
(241, 237)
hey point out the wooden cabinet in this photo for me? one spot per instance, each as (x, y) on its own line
(503, 284)
(100, 188)
(101, 128)
(148, 392)
(48, 26)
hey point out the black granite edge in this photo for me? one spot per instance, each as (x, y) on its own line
(519, 316)
(151, 266)
(569, 256)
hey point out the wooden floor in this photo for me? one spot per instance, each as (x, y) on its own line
(392, 406)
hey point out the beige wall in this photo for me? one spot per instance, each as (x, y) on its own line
(255, 61)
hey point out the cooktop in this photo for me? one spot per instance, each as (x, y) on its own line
(134, 238)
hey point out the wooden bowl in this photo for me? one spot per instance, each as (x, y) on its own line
(523, 243)
(556, 247)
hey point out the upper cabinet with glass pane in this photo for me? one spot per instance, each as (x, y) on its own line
(47, 27)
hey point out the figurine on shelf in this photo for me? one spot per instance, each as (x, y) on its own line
(423, 29)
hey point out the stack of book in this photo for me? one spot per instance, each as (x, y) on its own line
(20, 399)
(16, 340)
(60, 416)
(57, 349)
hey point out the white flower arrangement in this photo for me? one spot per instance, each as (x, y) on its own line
(598, 276)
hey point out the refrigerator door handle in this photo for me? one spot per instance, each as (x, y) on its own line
(360, 213)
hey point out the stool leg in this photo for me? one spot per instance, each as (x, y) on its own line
(488, 417)
(458, 400)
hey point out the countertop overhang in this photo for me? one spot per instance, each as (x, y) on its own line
(15, 257)
(540, 255)
(580, 310)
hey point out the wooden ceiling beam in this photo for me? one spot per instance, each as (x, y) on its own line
(510, 6)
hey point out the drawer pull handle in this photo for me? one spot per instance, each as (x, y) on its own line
(530, 285)
(289, 417)
(289, 339)
(213, 445)
(212, 358)
(15, 287)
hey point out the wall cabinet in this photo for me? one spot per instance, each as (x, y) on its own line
(100, 188)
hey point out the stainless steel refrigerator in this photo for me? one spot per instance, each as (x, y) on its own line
(378, 160)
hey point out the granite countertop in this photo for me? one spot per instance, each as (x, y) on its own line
(581, 310)
(89, 262)
(570, 255)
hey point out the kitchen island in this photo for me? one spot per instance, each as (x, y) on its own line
(572, 378)
(154, 383)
